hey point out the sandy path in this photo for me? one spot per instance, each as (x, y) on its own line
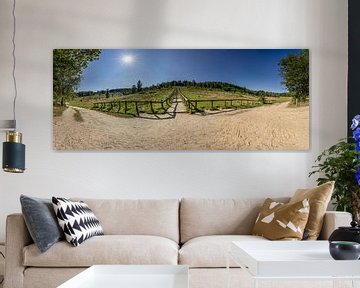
(274, 127)
(179, 105)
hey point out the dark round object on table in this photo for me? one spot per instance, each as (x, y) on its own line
(353, 223)
(344, 250)
(346, 233)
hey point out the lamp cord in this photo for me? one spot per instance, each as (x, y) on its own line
(14, 61)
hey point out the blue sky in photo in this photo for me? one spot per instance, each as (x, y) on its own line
(256, 69)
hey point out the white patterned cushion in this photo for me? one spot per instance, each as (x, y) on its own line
(77, 220)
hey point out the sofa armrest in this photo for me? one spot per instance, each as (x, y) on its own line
(333, 220)
(17, 237)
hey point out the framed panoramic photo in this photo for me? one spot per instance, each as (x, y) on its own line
(181, 99)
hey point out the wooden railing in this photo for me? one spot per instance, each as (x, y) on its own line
(137, 106)
(193, 105)
(117, 106)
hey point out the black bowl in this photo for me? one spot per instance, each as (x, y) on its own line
(344, 250)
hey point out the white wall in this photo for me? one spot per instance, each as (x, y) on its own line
(320, 25)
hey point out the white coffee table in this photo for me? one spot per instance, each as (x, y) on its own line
(285, 260)
(131, 276)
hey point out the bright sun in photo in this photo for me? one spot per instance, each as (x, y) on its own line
(127, 59)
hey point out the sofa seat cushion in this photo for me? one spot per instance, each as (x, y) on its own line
(211, 251)
(107, 249)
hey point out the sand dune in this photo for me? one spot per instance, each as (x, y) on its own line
(274, 127)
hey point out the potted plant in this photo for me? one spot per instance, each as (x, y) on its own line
(341, 163)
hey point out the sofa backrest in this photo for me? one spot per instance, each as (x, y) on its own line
(159, 217)
(200, 217)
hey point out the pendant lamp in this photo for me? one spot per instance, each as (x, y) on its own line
(13, 159)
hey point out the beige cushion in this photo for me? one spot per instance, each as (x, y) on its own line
(279, 221)
(211, 251)
(108, 249)
(158, 217)
(200, 217)
(319, 198)
(333, 220)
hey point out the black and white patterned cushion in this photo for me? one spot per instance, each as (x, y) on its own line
(77, 220)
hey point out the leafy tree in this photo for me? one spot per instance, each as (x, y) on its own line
(68, 65)
(294, 69)
(107, 93)
(133, 89)
(139, 86)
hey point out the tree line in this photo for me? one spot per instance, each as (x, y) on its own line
(138, 88)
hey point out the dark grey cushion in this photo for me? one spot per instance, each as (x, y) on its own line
(41, 221)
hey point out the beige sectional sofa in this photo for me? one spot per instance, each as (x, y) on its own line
(194, 232)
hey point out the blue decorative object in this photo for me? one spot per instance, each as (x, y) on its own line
(357, 147)
(357, 176)
(356, 134)
(355, 122)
